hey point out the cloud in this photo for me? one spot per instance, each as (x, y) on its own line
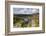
(25, 10)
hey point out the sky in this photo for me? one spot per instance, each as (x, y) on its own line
(25, 10)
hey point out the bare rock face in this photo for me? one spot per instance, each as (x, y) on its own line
(26, 20)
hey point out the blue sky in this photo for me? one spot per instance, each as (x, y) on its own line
(25, 10)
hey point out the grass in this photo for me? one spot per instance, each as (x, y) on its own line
(19, 22)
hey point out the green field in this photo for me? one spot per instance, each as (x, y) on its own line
(19, 21)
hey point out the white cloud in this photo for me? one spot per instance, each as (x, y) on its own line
(25, 10)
